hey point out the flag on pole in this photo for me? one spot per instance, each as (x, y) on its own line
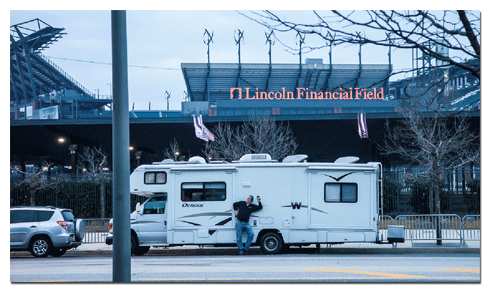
(207, 133)
(362, 126)
(201, 131)
(198, 129)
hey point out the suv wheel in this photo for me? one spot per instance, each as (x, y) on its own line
(40, 247)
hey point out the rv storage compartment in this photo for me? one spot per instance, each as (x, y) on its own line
(396, 233)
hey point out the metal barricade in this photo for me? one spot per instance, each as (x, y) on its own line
(431, 227)
(96, 230)
(383, 223)
(470, 228)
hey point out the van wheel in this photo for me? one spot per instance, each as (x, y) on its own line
(40, 247)
(136, 249)
(271, 243)
(134, 244)
(141, 250)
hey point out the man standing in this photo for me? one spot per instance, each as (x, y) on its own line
(242, 212)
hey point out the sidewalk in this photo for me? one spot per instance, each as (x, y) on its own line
(428, 246)
(407, 247)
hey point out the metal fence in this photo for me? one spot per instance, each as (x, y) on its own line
(96, 230)
(384, 222)
(417, 228)
(431, 227)
(406, 191)
(471, 228)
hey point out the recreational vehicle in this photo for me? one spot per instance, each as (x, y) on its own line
(191, 203)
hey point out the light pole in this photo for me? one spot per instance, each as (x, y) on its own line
(121, 256)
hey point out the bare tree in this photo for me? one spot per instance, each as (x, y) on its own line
(36, 181)
(257, 135)
(92, 161)
(173, 151)
(456, 32)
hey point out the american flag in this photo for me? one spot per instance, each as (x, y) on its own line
(362, 126)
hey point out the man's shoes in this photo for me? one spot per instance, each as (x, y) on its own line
(240, 253)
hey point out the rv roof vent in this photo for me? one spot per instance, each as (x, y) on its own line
(347, 159)
(197, 159)
(295, 158)
(262, 157)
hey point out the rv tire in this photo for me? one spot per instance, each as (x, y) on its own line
(136, 249)
(271, 243)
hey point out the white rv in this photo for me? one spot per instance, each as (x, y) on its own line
(191, 203)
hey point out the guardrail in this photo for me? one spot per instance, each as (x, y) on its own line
(383, 223)
(96, 230)
(417, 227)
(470, 227)
(440, 227)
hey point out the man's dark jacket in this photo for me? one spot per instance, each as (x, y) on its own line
(244, 211)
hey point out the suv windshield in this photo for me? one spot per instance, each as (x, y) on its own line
(68, 216)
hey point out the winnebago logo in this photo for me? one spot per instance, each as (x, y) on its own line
(295, 205)
(191, 205)
(340, 177)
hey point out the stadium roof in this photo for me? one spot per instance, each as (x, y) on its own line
(210, 82)
(31, 74)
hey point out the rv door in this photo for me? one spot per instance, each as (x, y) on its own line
(152, 221)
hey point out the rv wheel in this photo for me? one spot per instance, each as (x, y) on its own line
(271, 243)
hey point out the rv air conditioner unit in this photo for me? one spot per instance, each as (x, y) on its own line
(261, 157)
(295, 158)
(347, 159)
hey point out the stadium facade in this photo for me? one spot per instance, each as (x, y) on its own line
(320, 102)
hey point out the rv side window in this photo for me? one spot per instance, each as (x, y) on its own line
(207, 191)
(152, 178)
(340, 193)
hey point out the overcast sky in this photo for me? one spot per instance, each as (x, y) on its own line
(163, 40)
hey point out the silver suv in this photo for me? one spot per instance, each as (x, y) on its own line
(44, 231)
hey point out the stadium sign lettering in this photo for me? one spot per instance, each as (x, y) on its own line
(303, 93)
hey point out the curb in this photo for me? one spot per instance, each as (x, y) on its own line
(256, 251)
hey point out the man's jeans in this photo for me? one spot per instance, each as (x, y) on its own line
(239, 230)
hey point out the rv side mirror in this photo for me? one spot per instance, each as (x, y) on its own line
(138, 207)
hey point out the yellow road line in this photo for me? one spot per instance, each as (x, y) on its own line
(458, 270)
(183, 280)
(365, 273)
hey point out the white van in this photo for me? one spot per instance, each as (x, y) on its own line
(191, 203)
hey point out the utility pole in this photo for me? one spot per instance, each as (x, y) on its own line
(121, 255)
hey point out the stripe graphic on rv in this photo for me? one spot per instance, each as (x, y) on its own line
(340, 177)
(195, 224)
(223, 222)
(214, 214)
(295, 205)
(315, 209)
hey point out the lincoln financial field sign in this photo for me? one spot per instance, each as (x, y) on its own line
(303, 93)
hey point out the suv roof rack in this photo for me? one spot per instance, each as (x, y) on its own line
(47, 207)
